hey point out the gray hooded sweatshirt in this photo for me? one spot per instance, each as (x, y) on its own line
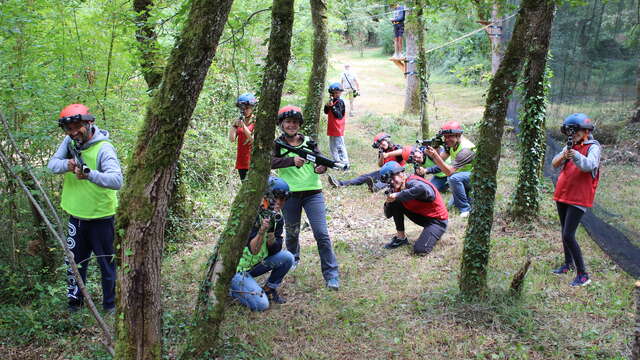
(589, 163)
(107, 175)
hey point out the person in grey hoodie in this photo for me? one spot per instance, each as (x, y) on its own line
(92, 176)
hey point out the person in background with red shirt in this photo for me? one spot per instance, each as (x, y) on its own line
(419, 200)
(576, 189)
(336, 111)
(242, 131)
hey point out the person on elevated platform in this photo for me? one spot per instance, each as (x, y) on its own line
(398, 30)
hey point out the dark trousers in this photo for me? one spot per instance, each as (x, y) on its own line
(375, 175)
(433, 228)
(83, 238)
(243, 173)
(569, 220)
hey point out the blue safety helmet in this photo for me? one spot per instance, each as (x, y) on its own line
(247, 99)
(389, 169)
(575, 122)
(277, 188)
(336, 86)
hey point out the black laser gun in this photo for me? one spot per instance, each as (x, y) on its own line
(435, 142)
(266, 212)
(77, 157)
(569, 131)
(306, 152)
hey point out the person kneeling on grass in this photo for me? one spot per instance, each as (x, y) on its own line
(420, 201)
(576, 189)
(264, 253)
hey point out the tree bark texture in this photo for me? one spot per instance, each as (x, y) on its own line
(213, 295)
(412, 94)
(145, 197)
(475, 256)
(495, 37)
(532, 125)
(317, 78)
(423, 70)
(150, 57)
(636, 113)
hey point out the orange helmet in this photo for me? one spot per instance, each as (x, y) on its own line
(73, 113)
(451, 127)
(290, 111)
(378, 138)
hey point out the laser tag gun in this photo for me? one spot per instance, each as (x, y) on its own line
(306, 152)
(75, 154)
(435, 142)
(569, 131)
(266, 212)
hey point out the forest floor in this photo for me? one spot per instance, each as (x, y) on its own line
(391, 304)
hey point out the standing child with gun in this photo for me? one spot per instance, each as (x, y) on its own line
(576, 189)
(242, 131)
(335, 109)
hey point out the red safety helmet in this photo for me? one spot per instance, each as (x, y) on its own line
(378, 138)
(451, 127)
(73, 113)
(290, 111)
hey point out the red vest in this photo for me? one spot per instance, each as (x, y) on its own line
(433, 209)
(576, 187)
(335, 126)
(243, 157)
(401, 159)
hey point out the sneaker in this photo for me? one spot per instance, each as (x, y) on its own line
(295, 265)
(464, 214)
(273, 296)
(333, 284)
(396, 242)
(581, 280)
(370, 184)
(562, 269)
(334, 182)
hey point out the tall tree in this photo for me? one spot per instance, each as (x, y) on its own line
(150, 57)
(423, 69)
(532, 125)
(412, 94)
(475, 255)
(636, 113)
(213, 295)
(488, 13)
(145, 196)
(317, 78)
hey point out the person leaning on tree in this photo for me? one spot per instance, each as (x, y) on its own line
(461, 153)
(264, 253)
(576, 189)
(419, 200)
(89, 197)
(387, 151)
(242, 131)
(306, 193)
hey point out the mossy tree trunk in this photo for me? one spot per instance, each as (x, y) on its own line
(495, 37)
(213, 295)
(317, 78)
(532, 125)
(475, 255)
(145, 197)
(412, 93)
(635, 117)
(423, 69)
(150, 57)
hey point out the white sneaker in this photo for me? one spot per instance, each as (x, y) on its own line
(464, 214)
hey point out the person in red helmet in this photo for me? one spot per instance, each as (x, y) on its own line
(461, 153)
(305, 193)
(387, 151)
(91, 179)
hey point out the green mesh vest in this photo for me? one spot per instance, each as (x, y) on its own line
(300, 179)
(464, 144)
(84, 199)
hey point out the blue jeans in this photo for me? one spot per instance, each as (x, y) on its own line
(460, 189)
(441, 183)
(245, 289)
(375, 175)
(314, 207)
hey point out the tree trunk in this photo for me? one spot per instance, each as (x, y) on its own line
(148, 46)
(213, 295)
(475, 256)
(636, 113)
(423, 71)
(495, 37)
(316, 87)
(532, 125)
(145, 196)
(412, 94)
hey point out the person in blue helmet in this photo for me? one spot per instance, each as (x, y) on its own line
(575, 190)
(419, 200)
(336, 111)
(242, 131)
(264, 253)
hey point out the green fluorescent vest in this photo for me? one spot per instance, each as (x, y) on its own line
(248, 260)
(300, 179)
(84, 199)
(429, 163)
(464, 144)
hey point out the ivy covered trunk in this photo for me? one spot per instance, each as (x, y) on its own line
(147, 38)
(423, 70)
(316, 86)
(635, 117)
(411, 95)
(214, 290)
(145, 197)
(532, 125)
(475, 255)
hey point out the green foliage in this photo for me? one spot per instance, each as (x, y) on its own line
(471, 75)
